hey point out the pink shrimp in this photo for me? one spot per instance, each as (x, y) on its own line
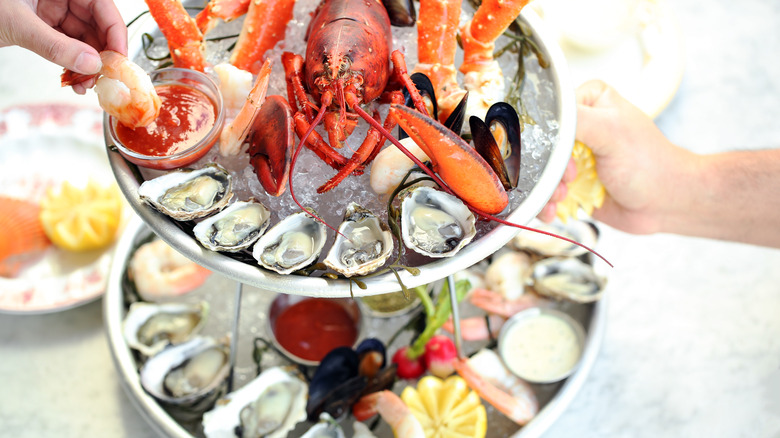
(486, 374)
(393, 410)
(124, 90)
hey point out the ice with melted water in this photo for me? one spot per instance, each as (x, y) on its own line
(310, 172)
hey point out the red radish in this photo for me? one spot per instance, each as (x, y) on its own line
(408, 368)
(439, 353)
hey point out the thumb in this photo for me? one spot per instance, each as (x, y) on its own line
(59, 48)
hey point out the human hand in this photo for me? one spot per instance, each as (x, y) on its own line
(69, 33)
(638, 166)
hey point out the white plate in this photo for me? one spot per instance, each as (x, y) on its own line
(645, 64)
(42, 146)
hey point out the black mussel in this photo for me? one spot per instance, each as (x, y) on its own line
(487, 148)
(335, 384)
(425, 87)
(504, 124)
(401, 12)
(455, 120)
(384, 379)
(372, 355)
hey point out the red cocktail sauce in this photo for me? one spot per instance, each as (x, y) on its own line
(313, 327)
(186, 117)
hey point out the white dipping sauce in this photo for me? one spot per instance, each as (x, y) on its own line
(540, 348)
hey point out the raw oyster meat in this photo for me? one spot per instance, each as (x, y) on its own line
(187, 373)
(368, 243)
(268, 406)
(435, 223)
(150, 327)
(292, 244)
(189, 194)
(567, 278)
(236, 227)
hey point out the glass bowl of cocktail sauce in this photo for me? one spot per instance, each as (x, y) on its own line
(305, 329)
(190, 121)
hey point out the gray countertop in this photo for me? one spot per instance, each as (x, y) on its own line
(691, 345)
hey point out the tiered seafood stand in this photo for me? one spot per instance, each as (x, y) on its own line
(239, 293)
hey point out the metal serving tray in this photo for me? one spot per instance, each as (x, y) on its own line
(564, 114)
(553, 398)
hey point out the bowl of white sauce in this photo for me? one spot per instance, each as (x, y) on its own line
(541, 345)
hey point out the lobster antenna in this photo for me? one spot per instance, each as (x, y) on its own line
(444, 186)
(314, 123)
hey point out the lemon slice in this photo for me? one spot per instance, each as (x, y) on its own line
(446, 408)
(81, 219)
(586, 191)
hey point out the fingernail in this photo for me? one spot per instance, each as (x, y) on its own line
(88, 63)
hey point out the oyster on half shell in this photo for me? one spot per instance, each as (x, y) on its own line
(368, 243)
(236, 227)
(189, 194)
(150, 327)
(189, 376)
(292, 244)
(268, 406)
(566, 278)
(580, 231)
(435, 223)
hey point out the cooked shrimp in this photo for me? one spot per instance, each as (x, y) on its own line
(493, 302)
(477, 328)
(234, 85)
(123, 88)
(235, 132)
(159, 272)
(393, 410)
(486, 374)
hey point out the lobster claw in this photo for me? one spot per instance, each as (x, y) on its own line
(457, 164)
(271, 141)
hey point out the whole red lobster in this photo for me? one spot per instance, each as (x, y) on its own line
(347, 64)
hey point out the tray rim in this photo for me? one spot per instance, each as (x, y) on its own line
(128, 176)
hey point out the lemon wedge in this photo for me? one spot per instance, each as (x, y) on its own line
(81, 219)
(586, 191)
(446, 408)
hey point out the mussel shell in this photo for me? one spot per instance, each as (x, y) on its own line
(566, 278)
(157, 368)
(298, 222)
(186, 320)
(250, 227)
(502, 115)
(154, 192)
(456, 118)
(428, 93)
(401, 12)
(486, 147)
(336, 385)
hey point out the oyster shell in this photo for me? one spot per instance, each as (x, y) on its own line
(235, 228)
(435, 223)
(269, 406)
(368, 243)
(292, 244)
(548, 246)
(326, 427)
(567, 278)
(189, 194)
(150, 327)
(190, 375)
